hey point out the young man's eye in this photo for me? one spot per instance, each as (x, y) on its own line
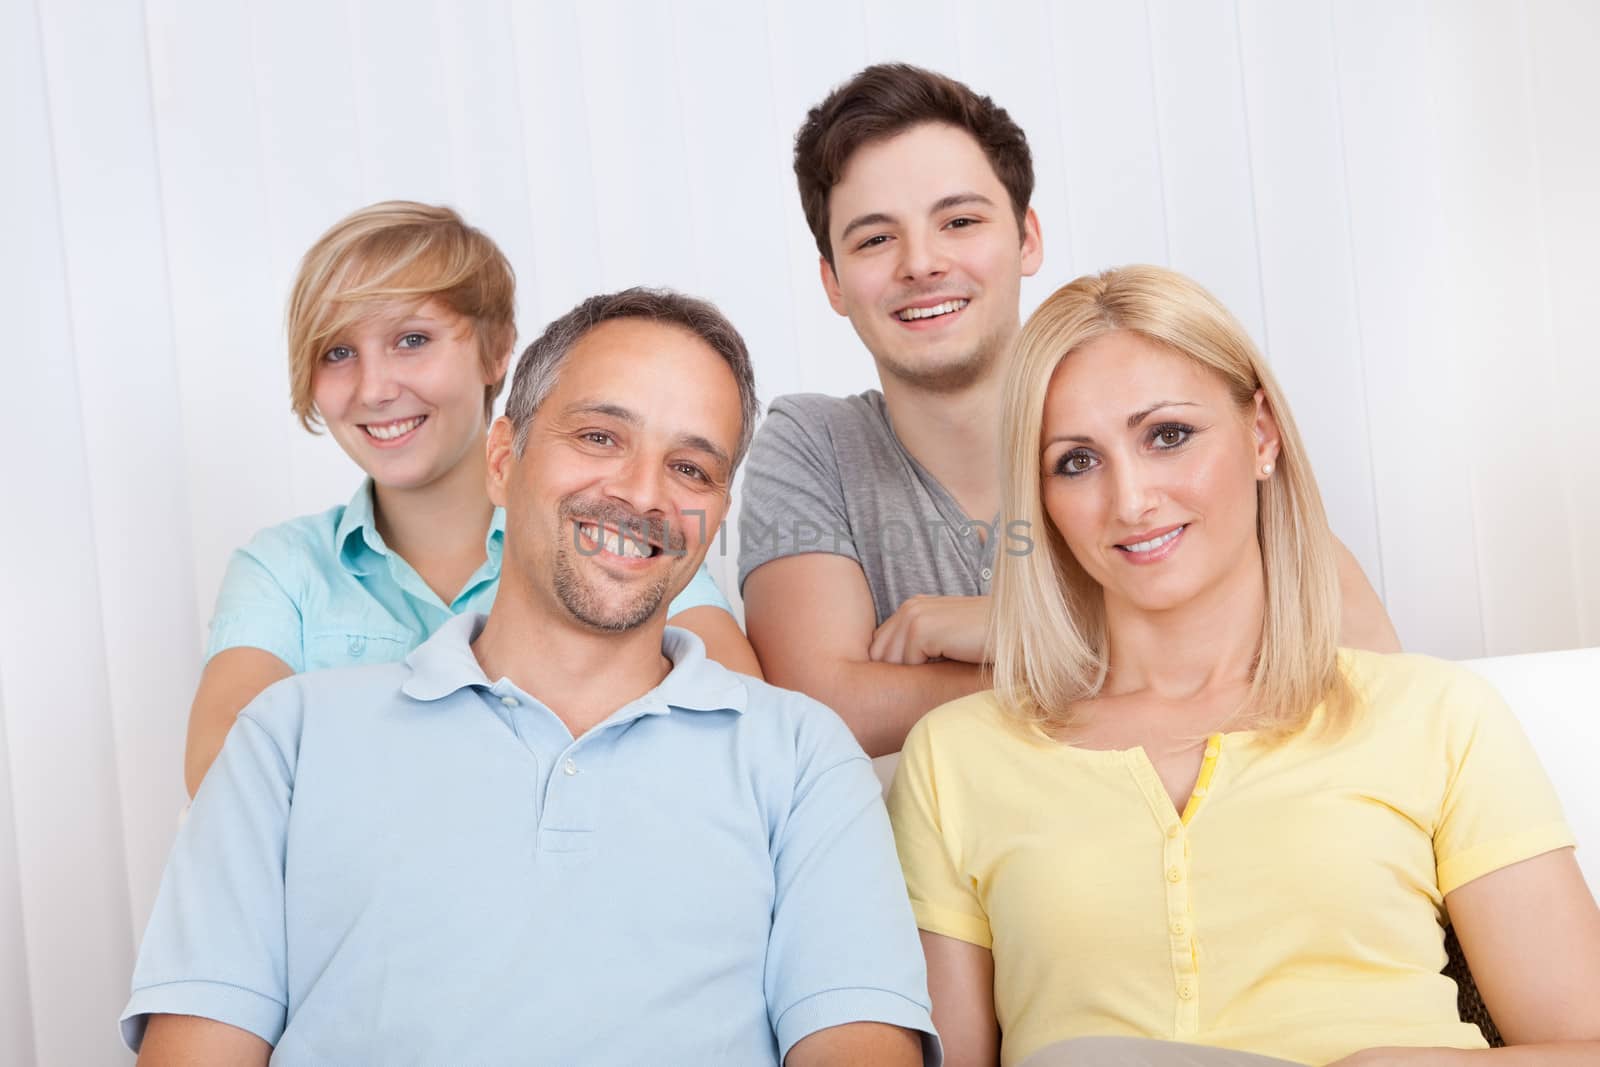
(338, 354)
(412, 340)
(1076, 462)
(873, 242)
(962, 223)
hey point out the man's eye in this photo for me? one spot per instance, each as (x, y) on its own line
(873, 241)
(961, 223)
(338, 354)
(597, 437)
(691, 471)
(413, 340)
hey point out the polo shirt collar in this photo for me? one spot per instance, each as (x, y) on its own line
(445, 663)
(360, 546)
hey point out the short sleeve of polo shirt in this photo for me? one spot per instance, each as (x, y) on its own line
(944, 900)
(215, 945)
(793, 493)
(255, 608)
(843, 945)
(701, 592)
(1499, 807)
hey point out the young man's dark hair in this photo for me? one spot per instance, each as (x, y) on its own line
(887, 99)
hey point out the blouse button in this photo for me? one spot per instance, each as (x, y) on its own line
(1186, 992)
(1174, 875)
(1173, 831)
(1180, 927)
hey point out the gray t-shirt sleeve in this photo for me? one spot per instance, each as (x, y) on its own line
(793, 499)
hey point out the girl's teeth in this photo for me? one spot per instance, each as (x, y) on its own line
(1155, 542)
(389, 431)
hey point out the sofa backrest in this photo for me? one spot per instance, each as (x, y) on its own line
(1556, 696)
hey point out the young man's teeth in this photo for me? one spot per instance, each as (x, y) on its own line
(1155, 542)
(912, 314)
(389, 431)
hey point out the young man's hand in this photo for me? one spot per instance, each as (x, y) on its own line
(933, 627)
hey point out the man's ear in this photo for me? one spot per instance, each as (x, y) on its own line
(830, 285)
(1032, 244)
(498, 448)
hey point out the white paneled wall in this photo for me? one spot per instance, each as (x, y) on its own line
(1395, 197)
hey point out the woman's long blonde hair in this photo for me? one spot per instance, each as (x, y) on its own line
(1048, 628)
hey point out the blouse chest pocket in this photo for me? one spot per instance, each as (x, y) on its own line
(350, 646)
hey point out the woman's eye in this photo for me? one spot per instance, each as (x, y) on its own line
(413, 340)
(338, 354)
(1171, 436)
(1075, 463)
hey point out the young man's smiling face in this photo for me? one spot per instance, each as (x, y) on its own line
(927, 259)
(624, 479)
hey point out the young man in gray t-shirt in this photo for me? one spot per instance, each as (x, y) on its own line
(868, 528)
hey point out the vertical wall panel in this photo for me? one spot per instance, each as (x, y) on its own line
(812, 48)
(1302, 220)
(1564, 40)
(69, 861)
(560, 169)
(16, 1037)
(1205, 152)
(1107, 110)
(226, 300)
(1417, 396)
(114, 255)
(1495, 286)
(407, 139)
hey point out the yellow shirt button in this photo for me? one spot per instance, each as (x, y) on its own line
(1180, 928)
(1186, 992)
(1174, 875)
(1174, 830)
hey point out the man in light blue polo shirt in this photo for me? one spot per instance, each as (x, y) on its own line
(556, 833)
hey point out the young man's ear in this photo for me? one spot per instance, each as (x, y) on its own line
(830, 285)
(502, 435)
(1032, 244)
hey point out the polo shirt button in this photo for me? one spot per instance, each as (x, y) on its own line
(1180, 927)
(1174, 875)
(569, 768)
(1173, 831)
(1186, 992)
(509, 702)
(987, 574)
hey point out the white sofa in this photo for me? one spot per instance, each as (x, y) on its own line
(1556, 696)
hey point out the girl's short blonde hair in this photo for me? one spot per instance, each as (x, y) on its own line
(398, 250)
(1048, 633)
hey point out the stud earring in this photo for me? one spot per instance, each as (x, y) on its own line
(1266, 470)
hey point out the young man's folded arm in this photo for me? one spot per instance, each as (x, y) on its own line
(812, 620)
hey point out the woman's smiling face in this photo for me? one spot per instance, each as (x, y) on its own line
(1149, 470)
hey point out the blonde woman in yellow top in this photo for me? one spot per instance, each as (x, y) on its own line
(1183, 814)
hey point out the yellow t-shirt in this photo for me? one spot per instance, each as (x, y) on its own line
(1296, 907)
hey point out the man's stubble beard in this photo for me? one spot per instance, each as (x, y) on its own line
(954, 375)
(578, 596)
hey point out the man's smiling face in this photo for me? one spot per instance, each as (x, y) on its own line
(927, 259)
(624, 479)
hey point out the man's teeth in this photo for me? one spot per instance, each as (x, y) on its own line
(912, 314)
(616, 543)
(1154, 543)
(388, 431)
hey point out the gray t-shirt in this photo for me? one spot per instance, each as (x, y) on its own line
(828, 474)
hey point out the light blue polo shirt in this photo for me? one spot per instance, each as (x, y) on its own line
(325, 591)
(405, 863)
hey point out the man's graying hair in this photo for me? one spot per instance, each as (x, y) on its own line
(542, 360)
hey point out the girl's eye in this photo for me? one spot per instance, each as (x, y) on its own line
(338, 354)
(1076, 462)
(413, 340)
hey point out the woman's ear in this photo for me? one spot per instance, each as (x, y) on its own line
(1265, 427)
